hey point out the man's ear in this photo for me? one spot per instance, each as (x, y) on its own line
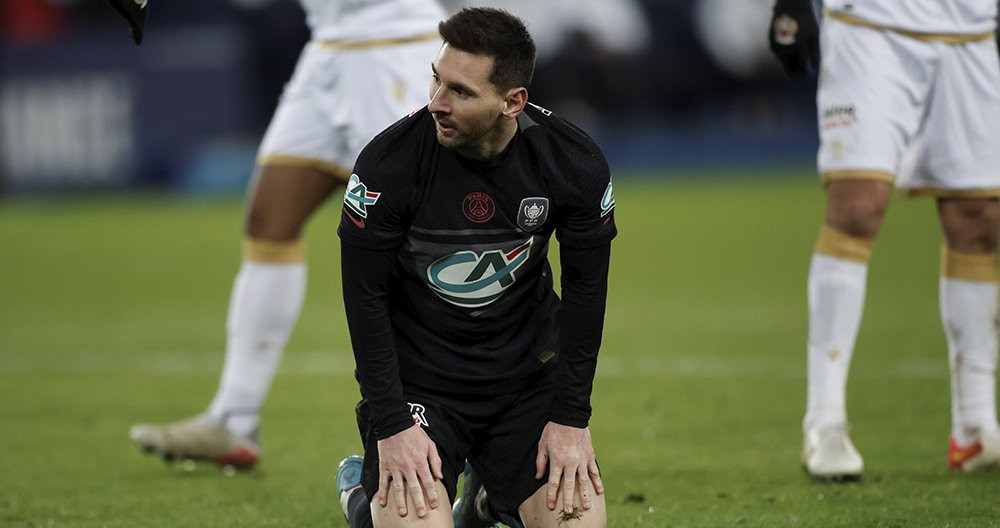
(514, 102)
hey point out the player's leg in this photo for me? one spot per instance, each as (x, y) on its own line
(536, 514)
(301, 161)
(471, 508)
(269, 289)
(869, 111)
(449, 432)
(388, 517)
(362, 513)
(266, 299)
(968, 291)
(962, 168)
(836, 293)
(504, 456)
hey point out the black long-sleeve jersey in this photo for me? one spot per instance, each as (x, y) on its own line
(447, 285)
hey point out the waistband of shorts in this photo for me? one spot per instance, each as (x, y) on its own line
(338, 44)
(946, 38)
(412, 374)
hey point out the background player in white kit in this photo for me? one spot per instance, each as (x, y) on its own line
(365, 67)
(909, 95)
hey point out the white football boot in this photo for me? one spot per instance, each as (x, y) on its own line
(829, 454)
(197, 438)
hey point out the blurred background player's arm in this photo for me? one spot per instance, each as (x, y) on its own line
(134, 12)
(794, 36)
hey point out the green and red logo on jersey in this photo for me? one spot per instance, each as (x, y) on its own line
(608, 200)
(471, 279)
(357, 198)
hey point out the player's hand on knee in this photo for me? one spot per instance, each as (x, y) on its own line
(134, 12)
(409, 464)
(794, 36)
(568, 454)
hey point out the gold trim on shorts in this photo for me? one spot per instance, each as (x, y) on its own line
(274, 252)
(980, 267)
(830, 176)
(285, 160)
(947, 38)
(951, 193)
(836, 243)
(377, 43)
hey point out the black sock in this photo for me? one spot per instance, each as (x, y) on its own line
(359, 513)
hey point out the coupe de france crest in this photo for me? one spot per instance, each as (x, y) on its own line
(532, 213)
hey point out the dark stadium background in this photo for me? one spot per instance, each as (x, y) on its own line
(81, 108)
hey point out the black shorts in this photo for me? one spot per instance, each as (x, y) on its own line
(498, 435)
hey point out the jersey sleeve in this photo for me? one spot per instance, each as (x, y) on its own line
(374, 212)
(588, 217)
(365, 276)
(581, 325)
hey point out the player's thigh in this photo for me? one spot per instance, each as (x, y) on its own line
(505, 452)
(970, 225)
(870, 99)
(442, 427)
(857, 206)
(283, 197)
(961, 153)
(388, 516)
(536, 514)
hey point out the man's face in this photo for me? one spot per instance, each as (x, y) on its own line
(466, 106)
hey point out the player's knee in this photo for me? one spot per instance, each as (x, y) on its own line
(858, 218)
(979, 242)
(535, 513)
(388, 516)
(971, 226)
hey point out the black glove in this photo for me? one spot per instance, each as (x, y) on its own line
(134, 11)
(794, 36)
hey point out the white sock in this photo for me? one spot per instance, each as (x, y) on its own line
(969, 314)
(836, 298)
(263, 309)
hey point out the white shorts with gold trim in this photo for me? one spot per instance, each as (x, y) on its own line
(342, 95)
(926, 110)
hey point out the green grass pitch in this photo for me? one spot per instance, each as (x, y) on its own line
(112, 312)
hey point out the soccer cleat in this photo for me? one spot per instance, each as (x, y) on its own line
(472, 513)
(348, 479)
(197, 438)
(828, 454)
(984, 454)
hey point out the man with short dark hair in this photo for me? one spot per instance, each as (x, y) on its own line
(463, 348)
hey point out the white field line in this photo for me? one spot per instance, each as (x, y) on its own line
(341, 362)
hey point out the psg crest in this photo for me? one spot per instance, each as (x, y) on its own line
(478, 207)
(532, 213)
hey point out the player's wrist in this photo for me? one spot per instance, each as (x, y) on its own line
(393, 425)
(576, 419)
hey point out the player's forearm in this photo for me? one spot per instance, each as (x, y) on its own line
(365, 276)
(581, 323)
